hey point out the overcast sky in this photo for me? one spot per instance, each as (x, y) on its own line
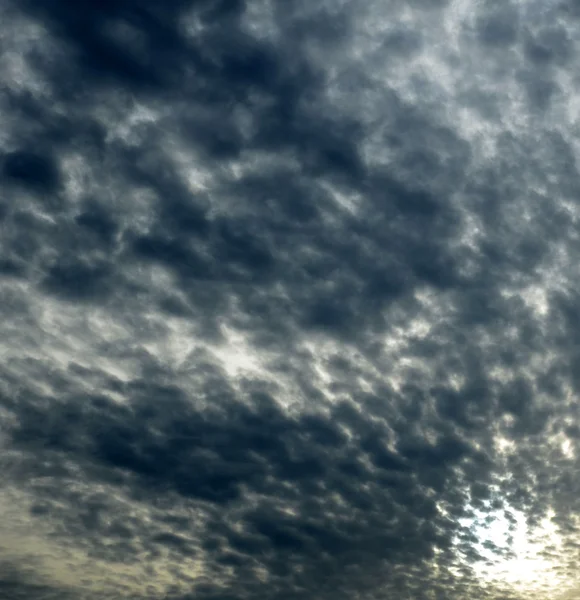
(289, 300)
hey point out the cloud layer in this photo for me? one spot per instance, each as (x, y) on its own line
(289, 300)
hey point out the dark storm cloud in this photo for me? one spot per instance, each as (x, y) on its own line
(275, 320)
(13, 587)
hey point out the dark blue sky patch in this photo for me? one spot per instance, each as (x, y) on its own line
(32, 171)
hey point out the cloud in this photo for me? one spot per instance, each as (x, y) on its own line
(288, 298)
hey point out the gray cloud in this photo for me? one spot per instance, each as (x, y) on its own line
(289, 300)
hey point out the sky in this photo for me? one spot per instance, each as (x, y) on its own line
(289, 300)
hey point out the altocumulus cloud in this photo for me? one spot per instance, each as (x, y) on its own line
(289, 297)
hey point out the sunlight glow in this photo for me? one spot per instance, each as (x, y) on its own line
(526, 568)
